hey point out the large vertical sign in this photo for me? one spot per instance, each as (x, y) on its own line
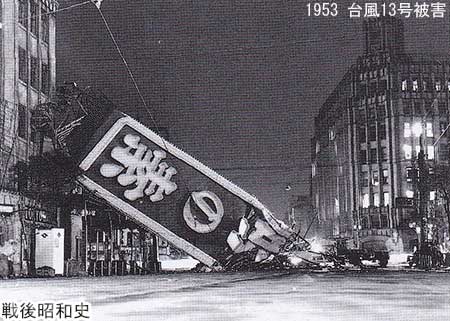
(165, 189)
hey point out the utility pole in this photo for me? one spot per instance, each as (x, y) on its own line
(422, 195)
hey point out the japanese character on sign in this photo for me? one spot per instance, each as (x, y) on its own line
(63, 310)
(355, 10)
(27, 310)
(45, 310)
(143, 167)
(81, 311)
(10, 310)
(371, 10)
(437, 9)
(405, 9)
(421, 10)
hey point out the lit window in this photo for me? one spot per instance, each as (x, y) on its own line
(417, 129)
(415, 85)
(429, 130)
(407, 130)
(386, 198)
(376, 199)
(365, 201)
(404, 85)
(409, 194)
(375, 179)
(408, 151)
(430, 152)
(385, 176)
(432, 195)
(313, 170)
(438, 86)
(448, 85)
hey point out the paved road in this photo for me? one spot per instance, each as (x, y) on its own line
(381, 296)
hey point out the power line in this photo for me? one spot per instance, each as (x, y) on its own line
(129, 71)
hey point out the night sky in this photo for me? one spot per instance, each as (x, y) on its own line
(236, 83)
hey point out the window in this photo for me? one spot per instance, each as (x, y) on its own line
(429, 107)
(417, 107)
(385, 176)
(432, 195)
(381, 111)
(362, 134)
(438, 86)
(407, 149)
(417, 129)
(409, 194)
(45, 25)
(372, 133)
(386, 199)
(363, 156)
(22, 122)
(23, 13)
(406, 130)
(23, 65)
(376, 199)
(426, 84)
(382, 130)
(34, 72)
(404, 85)
(384, 153)
(415, 85)
(443, 151)
(34, 17)
(448, 85)
(442, 126)
(365, 201)
(383, 221)
(365, 179)
(374, 220)
(407, 107)
(45, 82)
(382, 86)
(375, 178)
(313, 170)
(362, 90)
(442, 107)
(410, 174)
(373, 155)
(429, 130)
(373, 89)
(430, 152)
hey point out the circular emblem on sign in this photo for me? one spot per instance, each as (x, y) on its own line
(207, 218)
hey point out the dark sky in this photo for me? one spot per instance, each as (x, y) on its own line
(237, 83)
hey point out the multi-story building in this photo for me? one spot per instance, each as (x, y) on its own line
(368, 134)
(27, 78)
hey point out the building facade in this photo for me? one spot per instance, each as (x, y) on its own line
(27, 78)
(368, 134)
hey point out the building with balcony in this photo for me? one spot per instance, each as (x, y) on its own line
(367, 137)
(28, 76)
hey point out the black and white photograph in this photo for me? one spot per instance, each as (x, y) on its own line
(215, 160)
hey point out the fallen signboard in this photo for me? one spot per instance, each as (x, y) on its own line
(174, 195)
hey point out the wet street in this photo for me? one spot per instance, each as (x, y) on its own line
(377, 295)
